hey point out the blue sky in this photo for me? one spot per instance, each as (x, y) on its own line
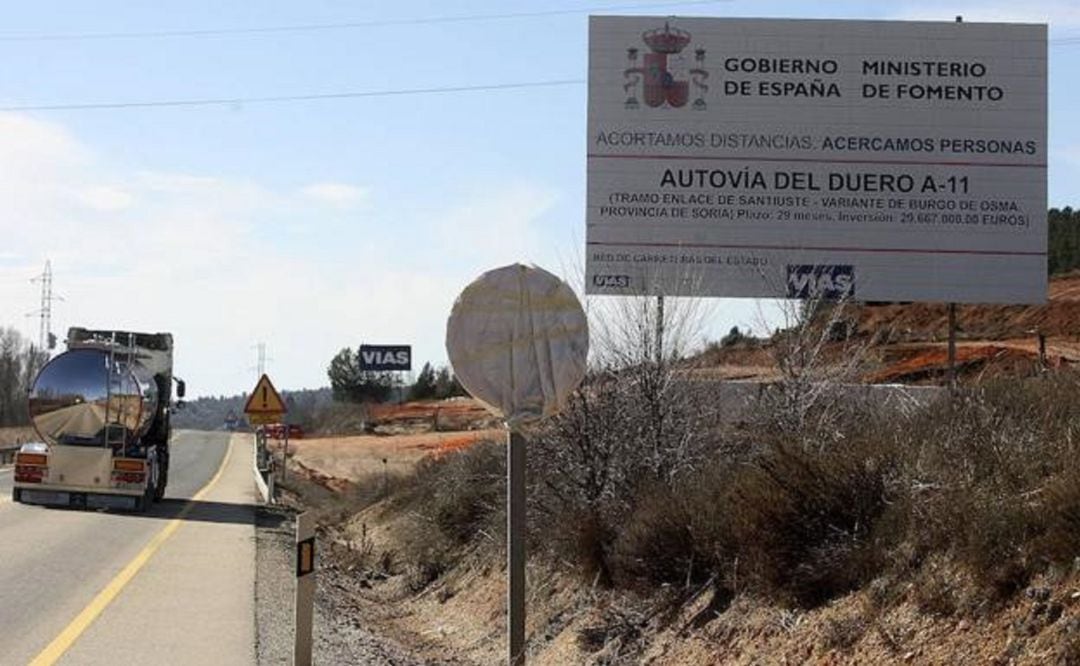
(315, 225)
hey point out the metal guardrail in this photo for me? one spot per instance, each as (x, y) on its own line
(262, 466)
(7, 453)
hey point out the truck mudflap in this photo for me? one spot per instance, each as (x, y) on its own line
(79, 500)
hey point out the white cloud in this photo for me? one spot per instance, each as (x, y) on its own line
(340, 195)
(496, 227)
(225, 263)
(105, 198)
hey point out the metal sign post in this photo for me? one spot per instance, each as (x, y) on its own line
(515, 546)
(305, 588)
(503, 349)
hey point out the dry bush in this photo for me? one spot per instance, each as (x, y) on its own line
(452, 502)
(1060, 542)
(460, 494)
(805, 524)
(634, 426)
(986, 481)
(589, 465)
(935, 589)
(989, 478)
(658, 545)
(843, 632)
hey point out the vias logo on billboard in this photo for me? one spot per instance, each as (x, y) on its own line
(664, 78)
(827, 281)
(611, 281)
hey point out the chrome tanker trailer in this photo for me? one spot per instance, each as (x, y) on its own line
(101, 409)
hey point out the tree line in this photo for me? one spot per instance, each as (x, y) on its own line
(19, 362)
(1063, 240)
(350, 383)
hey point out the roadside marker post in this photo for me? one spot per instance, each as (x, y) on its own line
(518, 340)
(305, 588)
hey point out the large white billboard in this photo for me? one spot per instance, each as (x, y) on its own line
(888, 161)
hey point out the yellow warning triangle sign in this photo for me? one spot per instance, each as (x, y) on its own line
(265, 399)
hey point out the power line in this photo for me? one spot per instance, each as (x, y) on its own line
(348, 25)
(271, 99)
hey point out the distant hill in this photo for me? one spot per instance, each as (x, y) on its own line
(210, 413)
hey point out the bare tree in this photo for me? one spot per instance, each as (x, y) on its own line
(19, 362)
(637, 421)
(818, 353)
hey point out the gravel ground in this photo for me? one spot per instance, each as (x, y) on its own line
(274, 576)
(340, 633)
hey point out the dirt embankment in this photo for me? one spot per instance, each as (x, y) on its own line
(457, 616)
(337, 462)
(453, 415)
(1059, 317)
(909, 341)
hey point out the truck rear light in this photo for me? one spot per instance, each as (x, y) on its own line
(137, 478)
(30, 473)
(31, 459)
(129, 471)
(129, 465)
(31, 467)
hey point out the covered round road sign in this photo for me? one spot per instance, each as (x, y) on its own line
(518, 339)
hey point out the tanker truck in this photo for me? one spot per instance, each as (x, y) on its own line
(101, 409)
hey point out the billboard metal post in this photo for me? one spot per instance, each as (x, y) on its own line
(952, 348)
(660, 330)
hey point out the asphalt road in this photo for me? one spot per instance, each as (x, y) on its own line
(172, 586)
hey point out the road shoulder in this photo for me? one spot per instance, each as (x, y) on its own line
(193, 602)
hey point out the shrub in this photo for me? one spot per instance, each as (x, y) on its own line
(804, 523)
(461, 493)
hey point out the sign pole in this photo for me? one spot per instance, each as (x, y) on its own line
(515, 546)
(285, 454)
(305, 588)
(952, 348)
(660, 330)
(523, 357)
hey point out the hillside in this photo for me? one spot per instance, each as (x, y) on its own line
(907, 343)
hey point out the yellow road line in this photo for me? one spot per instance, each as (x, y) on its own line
(99, 603)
